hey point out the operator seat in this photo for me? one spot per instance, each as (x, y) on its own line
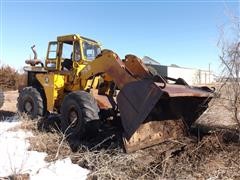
(67, 63)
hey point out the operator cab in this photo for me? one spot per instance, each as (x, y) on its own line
(70, 51)
(90, 50)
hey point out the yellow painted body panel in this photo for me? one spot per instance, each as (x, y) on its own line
(73, 81)
(80, 84)
(92, 83)
(53, 85)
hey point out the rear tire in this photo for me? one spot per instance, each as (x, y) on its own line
(78, 110)
(31, 102)
(1, 98)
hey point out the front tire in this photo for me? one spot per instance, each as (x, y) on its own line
(31, 102)
(78, 110)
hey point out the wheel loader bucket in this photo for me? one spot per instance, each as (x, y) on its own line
(153, 112)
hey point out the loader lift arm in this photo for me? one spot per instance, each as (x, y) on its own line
(108, 62)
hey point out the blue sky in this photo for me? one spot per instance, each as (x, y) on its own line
(172, 32)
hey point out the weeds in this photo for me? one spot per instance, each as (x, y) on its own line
(11, 79)
(178, 159)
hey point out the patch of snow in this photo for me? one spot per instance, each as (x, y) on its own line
(61, 169)
(15, 157)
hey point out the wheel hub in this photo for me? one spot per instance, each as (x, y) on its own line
(28, 106)
(73, 117)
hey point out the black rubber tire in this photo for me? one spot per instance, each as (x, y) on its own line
(33, 96)
(86, 110)
(1, 98)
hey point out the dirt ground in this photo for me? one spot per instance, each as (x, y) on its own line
(214, 155)
(218, 115)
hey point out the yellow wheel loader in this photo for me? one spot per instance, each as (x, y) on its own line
(81, 82)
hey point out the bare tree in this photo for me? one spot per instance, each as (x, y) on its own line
(229, 44)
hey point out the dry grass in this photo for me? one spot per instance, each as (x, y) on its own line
(220, 112)
(215, 156)
(45, 141)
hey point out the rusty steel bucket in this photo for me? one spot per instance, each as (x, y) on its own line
(153, 112)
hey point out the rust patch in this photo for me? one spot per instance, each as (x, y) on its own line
(154, 132)
(102, 100)
(176, 90)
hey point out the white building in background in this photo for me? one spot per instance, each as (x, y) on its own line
(190, 75)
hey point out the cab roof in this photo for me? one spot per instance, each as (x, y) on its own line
(73, 37)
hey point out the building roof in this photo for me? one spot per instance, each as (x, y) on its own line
(148, 60)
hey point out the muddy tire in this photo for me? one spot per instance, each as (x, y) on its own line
(1, 98)
(31, 102)
(77, 111)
